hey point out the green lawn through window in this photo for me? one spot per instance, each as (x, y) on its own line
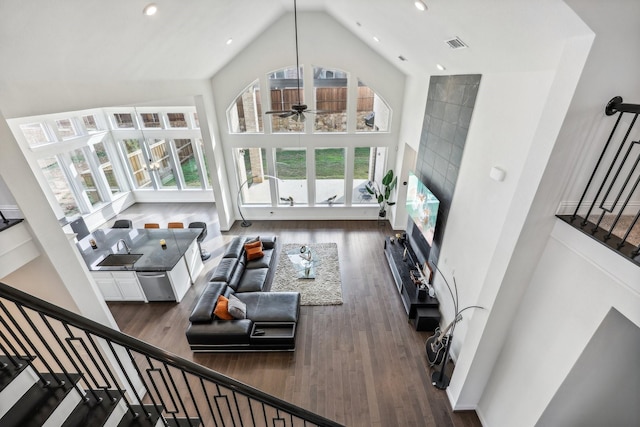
(291, 164)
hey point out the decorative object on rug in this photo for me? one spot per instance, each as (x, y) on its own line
(325, 289)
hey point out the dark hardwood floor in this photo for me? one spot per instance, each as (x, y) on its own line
(360, 363)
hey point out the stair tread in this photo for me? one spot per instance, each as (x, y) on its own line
(93, 413)
(142, 420)
(38, 403)
(10, 372)
(183, 422)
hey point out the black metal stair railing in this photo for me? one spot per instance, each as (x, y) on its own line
(62, 344)
(610, 191)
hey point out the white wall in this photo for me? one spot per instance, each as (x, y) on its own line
(569, 292)
(576, 283)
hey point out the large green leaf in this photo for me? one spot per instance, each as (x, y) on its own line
(394, 183)
(388, 178)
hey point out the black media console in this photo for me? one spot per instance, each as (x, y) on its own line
(423, 312)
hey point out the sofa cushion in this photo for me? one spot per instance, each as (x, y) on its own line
(252, 280)
(220, 332)
(203, 311)
(224, 271)
(264, 262)
(234, 281)
(271, 306)
(235, 248)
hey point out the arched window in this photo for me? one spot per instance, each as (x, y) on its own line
(373, 113)
(330, 91)
(328, 111)
(284, 93)
(245, 114)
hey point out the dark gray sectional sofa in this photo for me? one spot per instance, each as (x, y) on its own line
(272, 317)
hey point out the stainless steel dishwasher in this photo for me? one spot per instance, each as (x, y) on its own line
(156, 285)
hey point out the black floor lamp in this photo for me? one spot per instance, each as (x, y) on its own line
(244, 222)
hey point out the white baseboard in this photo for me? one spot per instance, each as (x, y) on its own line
(569, 207)
(11, 212)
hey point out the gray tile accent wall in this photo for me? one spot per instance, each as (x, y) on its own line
(450, 103)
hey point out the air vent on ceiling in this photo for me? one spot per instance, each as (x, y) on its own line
(455, 43)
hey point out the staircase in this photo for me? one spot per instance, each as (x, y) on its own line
(59, 369)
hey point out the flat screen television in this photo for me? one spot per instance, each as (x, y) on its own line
(422, 207)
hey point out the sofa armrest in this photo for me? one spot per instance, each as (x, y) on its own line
(220, 332)
(203, 311)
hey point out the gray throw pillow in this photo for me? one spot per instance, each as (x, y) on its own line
(237, 308)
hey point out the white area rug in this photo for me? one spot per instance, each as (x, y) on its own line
(325, 289)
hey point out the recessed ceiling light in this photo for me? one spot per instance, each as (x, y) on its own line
(420, 5)
(440, 67)
(376, 39)
(229, 41)
(150, 9)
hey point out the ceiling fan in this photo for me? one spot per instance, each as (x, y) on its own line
(297, 110)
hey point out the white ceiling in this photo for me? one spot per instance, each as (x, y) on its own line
(83, 40)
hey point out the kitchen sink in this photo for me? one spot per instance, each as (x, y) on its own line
(119, 260)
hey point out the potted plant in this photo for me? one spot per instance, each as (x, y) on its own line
(383, 194)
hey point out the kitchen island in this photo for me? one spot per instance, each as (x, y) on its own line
(161, 272)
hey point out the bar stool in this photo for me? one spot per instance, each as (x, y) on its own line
(175, 225)
(198, 224)
(152, 225)
(122, 223)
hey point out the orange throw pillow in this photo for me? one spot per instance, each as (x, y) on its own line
(252, 245)
(254, 253)
(253, 250)
(222, 309)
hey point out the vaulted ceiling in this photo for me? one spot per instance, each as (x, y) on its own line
(83, 40)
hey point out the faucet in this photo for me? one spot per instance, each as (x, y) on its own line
(125, 246)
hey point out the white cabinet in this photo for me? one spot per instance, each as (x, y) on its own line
(180, 280)
(194, 261)
(119, 285)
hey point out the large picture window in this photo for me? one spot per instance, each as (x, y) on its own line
(366, 161)
(59, 186)
(330, 89)
(330, 170)
(88, 158)
(107, 167)
(137, 164)
(284, 93)
(327, 165)
(291, 171)
(35, 134)
(85, 176)
(252, 166)
(161, 164)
